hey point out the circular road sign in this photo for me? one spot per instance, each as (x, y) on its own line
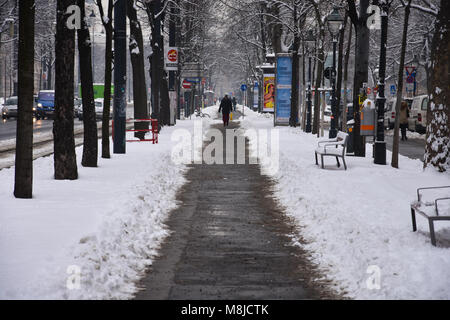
(244, 87)
(187, 84)
(172, 55)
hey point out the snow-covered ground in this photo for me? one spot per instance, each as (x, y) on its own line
(357, 223)
(102, 229)
(106, 227)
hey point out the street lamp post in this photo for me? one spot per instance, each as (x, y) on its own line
(92, 19)
(380, 144)
(334, 20)
(309, 41)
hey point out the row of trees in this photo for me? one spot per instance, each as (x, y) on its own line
(416, 34)
(61, 29)
(230, 38)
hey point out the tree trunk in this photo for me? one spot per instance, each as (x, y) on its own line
(137, 62)
(23, 180)
(346, 59)
(319, 63)
(90, 144)
(293, 120)
(437, 150)
(50, 72)
(395, 146)
(64, 141)
(361, 71)
(107, 24)
(156, 72)
(339, 72)
(165, 101)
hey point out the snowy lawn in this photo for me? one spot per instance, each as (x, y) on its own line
(103, 229)
(358, 222)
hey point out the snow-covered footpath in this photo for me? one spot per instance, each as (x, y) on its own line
(102, 229)
(357, 223)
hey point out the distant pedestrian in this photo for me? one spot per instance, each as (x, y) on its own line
(403, 119)
(226, 107)
(234, 103)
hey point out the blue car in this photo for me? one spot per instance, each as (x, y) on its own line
(45, 104)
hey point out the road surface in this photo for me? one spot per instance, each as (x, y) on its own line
(230, 240)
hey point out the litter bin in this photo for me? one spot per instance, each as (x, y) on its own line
(350, 125)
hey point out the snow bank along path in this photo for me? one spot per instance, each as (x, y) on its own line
(358, 222)
(100, 231)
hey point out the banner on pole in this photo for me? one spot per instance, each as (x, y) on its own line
(269, 92)
(255, 96)
(283, 89)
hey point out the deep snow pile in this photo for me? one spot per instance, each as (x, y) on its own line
(357, 223)
(100, 231)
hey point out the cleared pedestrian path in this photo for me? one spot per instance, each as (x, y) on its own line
(230, 240)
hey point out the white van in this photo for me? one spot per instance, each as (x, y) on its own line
(417, 120)
(389, 113)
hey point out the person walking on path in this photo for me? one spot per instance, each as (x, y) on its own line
(226, 107)
(234, 103)
(404, 119)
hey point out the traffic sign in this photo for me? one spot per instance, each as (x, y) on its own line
(410, 74)
(244, 87)
(393, 90)
(187, 84)
(171, 59)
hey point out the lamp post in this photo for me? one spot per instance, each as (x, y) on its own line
(309, 41)
(334, 20)
(380, 144)
(92, 20)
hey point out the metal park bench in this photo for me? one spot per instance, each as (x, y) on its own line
(333, 148)
(430, 210)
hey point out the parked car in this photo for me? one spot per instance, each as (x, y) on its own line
(417, 120)
(98, 110)
(9, 108)
(389, 113)
(46, 104)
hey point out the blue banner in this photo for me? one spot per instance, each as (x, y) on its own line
(283, 89)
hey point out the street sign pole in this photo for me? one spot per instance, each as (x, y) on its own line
(120, 72)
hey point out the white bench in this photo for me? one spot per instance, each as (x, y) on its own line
(430, 210)
(333, 148)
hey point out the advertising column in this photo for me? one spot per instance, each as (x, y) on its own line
(283, 89)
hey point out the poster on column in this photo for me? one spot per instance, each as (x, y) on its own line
(269, 92)
(283, 90)
(255, 96)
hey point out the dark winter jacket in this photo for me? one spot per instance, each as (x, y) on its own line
(226, 106)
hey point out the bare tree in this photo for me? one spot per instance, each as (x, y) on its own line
(437, 152)
(136, 47)
(395, 147)
(23, 184)
(64, 142)
(90, 145)
(107, 24)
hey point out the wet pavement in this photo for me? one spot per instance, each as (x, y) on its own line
(230, 240)
(412, 148)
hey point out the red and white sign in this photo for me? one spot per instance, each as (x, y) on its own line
(187, 84)
(171, 59)
(172, 55)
